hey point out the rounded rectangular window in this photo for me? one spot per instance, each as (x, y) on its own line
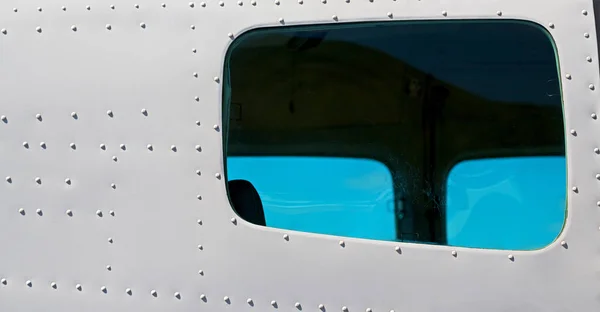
(396, 131)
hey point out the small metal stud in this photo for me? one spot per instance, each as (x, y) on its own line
(143, 25)
(4, 119)
(281, 21)
(25, 145)
(109, 268)
(194, 50)
(589, 59)
(511, 257)
(586, 35)
(390, 15)
(195, 75)
(398, 249)
(64, 8)
(499, 13)
(253, 2)
(342, 244)
(197, 122)
(191, 4)
(568, 76)
(240, 3)
(276, 2)
(128, 291)
(177, 295)
(4, 31)
(3, 281)
(201, 272)
(74, 28)
(218, 175)
(112, 213)
(113, 186)
(153, 293)
(216, 127)
(454, 253)
(575, 189)
(103, 289)
(216, 79)
(38, 29)
(114, 158)
(369, 310)
(321, 307)
(200, 247)
(300, 2)
(564, 244)
(137, 6)
(203, 4)
(598, 203)
(15, 10)
(573, 132)
(199, 222)
(197, 98)
(109, 113)
(144, 112)
(324, 1)
(38, 180)
(99, 213)
(88, 8)
(598, 176)
(164, 5)
(69, 213)
(592, 87)
(226, 299)
(108, 26)
(444, 13)
(38, 117)
(198, 148)
(174, 148)
(233, 220)
(298, 306)
(198, 172)
(551, 25)
(230, 35)
(286, 237)
(249, 301)
(9, 179)
(344, 309)
(43, 145)
(335, 18)
(274, 303)
(68, 181)
(29, 283)
(199, 197)
(78, 287)
(39, 212)
(203, 297)
(597, 150)
(594, 116)
(221, 3)
(39, 9)
(149, 147)
(584, 12)
(74, 115)
(123, 147)
(103, 147)
(53, 285)
(22, 211)
(112, 6)
(110, 240)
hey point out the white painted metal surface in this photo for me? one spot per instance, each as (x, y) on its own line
(123, 234)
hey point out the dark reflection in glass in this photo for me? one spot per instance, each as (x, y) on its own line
(430, 108)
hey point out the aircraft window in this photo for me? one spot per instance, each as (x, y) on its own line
(442, 122)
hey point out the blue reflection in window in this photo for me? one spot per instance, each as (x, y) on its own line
(339, 196)
(506, 203)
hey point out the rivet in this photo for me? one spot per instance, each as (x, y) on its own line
(39, 9)
(39, 212)
(584, 12)
(218, 175)
(344, 309)
(230, 35)
(300, 2)
(511, 257)
(197, 122)
(64, 8)
(335, 18)
(249, 301)
(177, 295)
(68, 181)
(4, 119)
(29, 283)
(103, 289)
(38, 180)
(598, 203)
(137, 6)
(164, 5)
(25, 145)
(203, 4)
(221, 3)
(286, 237)
(4, 32)
(112, 185)
(43, 145)
(598, 176)
(276, 2)
(298, 306)
(199, 197)
(3, 281)
(589, 58)
(203, 297)
(575, 189)
(112, 6)
(153, 293)
(15, 10)
(198, 148)
(88, 7)
(444, 13)
(368, 310)
(143, 25)
(74, 115)
(195, 75)
(114, 158)
(74, 28)
(324, 1)
(587, 35)
(78, 287)
(253, 2)
(194, 50)
(53, 285)
(342, 244)
(198, 172)
(240, 3)
(573, 132)
(200, 247)
(390, 15)
(281, 21)
(499, 13)
(22, 211)
(274, 303)
(102, 147)
(9, 179)
(112, 213)
(128, 291)
(199, 222)
(109, 113)
(149, 147)
(174, 148)
(568, 76)
(564, 244)
(99, 213)
(144, 112)
(110, 240)
(226, 299)
(38, 117)
(109, 268)
(454, 253)
(216, 79)
(38, 29)
(69, 213)
(592, 87)
(321, 307)
(200, 272)
(233, 220)
(398, 249)
(597, 150)
(594, 116)
(551, 25)
(108, 27)
(123, 147)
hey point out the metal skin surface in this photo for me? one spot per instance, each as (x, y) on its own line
(146, 257)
